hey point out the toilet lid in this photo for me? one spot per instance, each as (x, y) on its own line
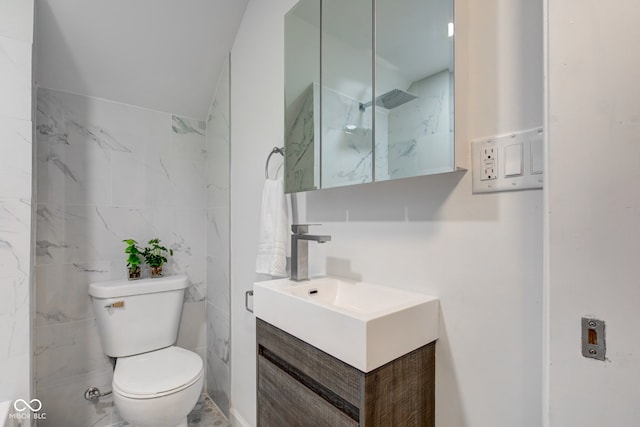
(156, 373)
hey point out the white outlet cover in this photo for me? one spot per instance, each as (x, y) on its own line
(529, 179)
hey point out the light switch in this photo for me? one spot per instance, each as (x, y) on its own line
(513, 160)
(536, 156)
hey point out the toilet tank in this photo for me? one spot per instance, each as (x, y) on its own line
(138, 316)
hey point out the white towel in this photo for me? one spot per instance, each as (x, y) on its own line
(274, 230)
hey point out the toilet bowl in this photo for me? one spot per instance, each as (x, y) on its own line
(159, 388)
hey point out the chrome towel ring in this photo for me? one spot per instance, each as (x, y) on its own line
(279, 150)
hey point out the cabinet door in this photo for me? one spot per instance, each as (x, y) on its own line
(283, 401)
(341, 379)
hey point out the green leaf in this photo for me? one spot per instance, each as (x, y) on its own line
(133, 260)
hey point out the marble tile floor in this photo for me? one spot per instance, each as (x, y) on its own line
(205, 414)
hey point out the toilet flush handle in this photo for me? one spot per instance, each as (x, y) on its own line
(117, 304)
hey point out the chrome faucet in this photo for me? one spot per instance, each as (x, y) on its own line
(300, 250)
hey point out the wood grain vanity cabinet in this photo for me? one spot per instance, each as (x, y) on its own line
(300, 385)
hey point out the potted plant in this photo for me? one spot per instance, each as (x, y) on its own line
(134, 260)
(155, 256)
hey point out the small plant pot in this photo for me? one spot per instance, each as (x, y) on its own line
(156, 271)
(135, 274)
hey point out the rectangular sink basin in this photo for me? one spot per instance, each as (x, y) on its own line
(362, 324)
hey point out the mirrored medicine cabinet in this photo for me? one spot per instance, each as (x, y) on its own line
(369, 91)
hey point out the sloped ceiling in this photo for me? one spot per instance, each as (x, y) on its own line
(164, 55)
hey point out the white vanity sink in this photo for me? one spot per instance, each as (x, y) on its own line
(362, 324)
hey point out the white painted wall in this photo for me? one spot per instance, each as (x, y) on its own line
(593, 210)
(16, 41)
(257, 125)
(482, 255)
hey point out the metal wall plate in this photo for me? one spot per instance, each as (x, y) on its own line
(593, 338)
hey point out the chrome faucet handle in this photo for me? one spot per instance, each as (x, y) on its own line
(301, 228)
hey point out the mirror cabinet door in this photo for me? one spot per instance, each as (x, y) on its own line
(347, 91)
(414, 88)
(302, 97)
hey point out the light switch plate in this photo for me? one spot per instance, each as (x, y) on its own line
(518, 162)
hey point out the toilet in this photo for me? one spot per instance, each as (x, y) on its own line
(155, 383)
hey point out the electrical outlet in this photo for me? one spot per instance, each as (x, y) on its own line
(488, 163)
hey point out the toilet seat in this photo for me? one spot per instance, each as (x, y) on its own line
(157, 373)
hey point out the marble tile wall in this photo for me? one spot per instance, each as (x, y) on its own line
(16, 38)
(105, 172)
(421, 131)
(218, 246)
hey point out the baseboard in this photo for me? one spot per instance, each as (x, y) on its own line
(236, 419)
